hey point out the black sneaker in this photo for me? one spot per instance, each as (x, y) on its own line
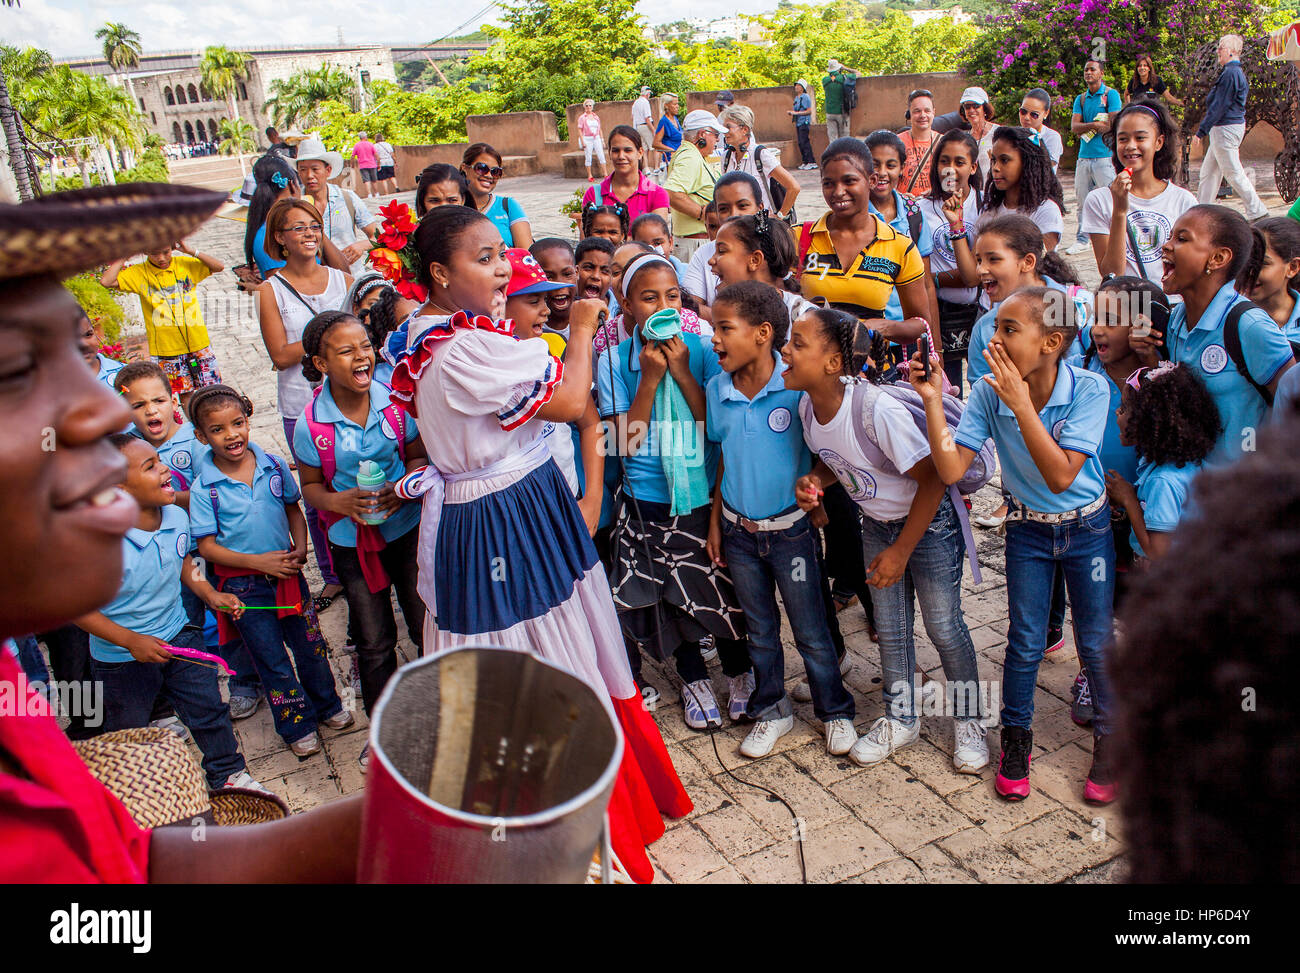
(1055, 639)
(1012, 781)
(1100, 785)
(1081, 710)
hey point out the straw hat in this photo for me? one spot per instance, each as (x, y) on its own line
(152, 773)
(66, 233)
(312, 149)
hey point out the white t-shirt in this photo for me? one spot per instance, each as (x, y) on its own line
(1152, 221)
(1047, 217)
(732, 162)
(641, 113)
(883, 496)
(384, 153)
(1051, 141)
(796, 305)
(699, 281)
(294, 390)
(942, 257)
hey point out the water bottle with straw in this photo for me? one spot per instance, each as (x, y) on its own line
(371, 479)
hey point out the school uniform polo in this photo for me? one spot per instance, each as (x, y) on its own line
(924, 246)
(149, 599)
(1114, 455)
(243, 518)
(1163, 491)
(1075, 415)
(108, 369)
(618, 376)
(1291, 330)
(762, 444)
(987, 324)
(863, 287)
(376, 442)
(181, 454)
(1265, 349)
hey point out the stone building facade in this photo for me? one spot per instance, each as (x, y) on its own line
(168, 87)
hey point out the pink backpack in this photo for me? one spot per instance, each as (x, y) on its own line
(322, 435)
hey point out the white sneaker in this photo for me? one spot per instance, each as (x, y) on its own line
(708, 650)
(801, 692)
(739, 689)
(246, 781)
(174, 724)
(762, 738)
(1077, 248)
(840, 737)
(700, 704)
(884, 737)
(971, 753)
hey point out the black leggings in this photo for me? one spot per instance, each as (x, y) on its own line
(846, 568)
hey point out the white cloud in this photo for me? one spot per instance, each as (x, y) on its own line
(67, 27)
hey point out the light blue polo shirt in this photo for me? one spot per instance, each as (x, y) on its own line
(1087, 106)
(924, 246)
(1163, 491)
(181, 454)
(1075, 415)
(763, 450)
(1291, 330)
(247, 520)
(617, 379)
(352, 444)
(1265, 349)
(1114, 455)
(108, 369)
(149, 600)
(987, 324)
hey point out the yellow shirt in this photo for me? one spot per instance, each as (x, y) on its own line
(689, 173)
(864, 287)
(169, 300)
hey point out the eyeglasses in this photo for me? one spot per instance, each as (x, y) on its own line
(300, 228)
(483, 169)
(1031, 114)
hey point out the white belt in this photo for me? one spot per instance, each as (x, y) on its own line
(757, 526)
(1018, 512)
(431, 484)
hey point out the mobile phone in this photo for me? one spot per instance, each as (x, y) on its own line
(924, 342)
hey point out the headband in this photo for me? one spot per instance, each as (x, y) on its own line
(1150, 373)
(1133, 104)
(639, 263)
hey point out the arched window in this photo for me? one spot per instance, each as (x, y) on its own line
(180, 94)
(141, 104)
(177, 134)
(207, 95)
(167, 93)
(189, 133)
(198, 129)
(243, 92)
(194, 95)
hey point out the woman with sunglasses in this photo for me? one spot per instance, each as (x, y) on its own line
(481, 165)
(301, 290)
(1034, 109)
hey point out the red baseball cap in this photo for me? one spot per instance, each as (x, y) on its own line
(527, 276)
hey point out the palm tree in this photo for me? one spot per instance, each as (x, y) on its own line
(18, 161)
(297, 100)
(121, 49)
(236, 137)
(75, 106)
(222, 70)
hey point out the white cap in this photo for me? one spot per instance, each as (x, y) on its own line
(976, 96)
(701, 119)
(833, 65)
(646, 90)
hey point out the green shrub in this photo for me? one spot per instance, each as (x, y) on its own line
(98, 303)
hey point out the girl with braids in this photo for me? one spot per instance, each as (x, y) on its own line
(1022, 181)
(244, 514)
(757, 248)
(372, 533)
(380, 309)
(910, 532)
(492, 496)
(1129, 221)
(1235, 347)
(949, 212)
(1169, 417)
(1275, 284)
(607, 220)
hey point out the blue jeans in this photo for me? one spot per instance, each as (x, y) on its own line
(130, 689)
(295, 706)
(1086, 554)
(315, 527)
(933, 577)
(244, 682)
(1090, 174)
(787, 560)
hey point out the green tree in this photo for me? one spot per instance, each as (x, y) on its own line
(236, 137)
(222, 70)
(121, 50)
(74, 106)
(297, 100)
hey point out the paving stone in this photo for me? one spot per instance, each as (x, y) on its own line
(734, 831)
(933, 766)
(723, 876)
(988, 860)
(897, 871)
(1058, 846)
(839, 851)
(812, 803)
(984, 807)
(899, 806)
(305, 788)
(685, 855)
(937, 866)
(822, 766)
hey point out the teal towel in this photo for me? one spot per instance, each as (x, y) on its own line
(681, 446)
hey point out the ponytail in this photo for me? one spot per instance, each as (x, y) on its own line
(1282, 234)
(759, 233)
(858, 344)
(1055, 266)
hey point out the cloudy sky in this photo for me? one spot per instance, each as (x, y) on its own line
(67, 27)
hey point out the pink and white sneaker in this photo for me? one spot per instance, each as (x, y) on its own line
(1012, 781)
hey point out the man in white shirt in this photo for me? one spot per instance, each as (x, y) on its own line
(642, 121)
(386, 179)
(348, 223)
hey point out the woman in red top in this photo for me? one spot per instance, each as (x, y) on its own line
(66, 518)
(628, 184)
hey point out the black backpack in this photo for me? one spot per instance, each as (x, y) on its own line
(850, 96)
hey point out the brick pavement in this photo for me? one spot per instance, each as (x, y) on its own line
(909, 819)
